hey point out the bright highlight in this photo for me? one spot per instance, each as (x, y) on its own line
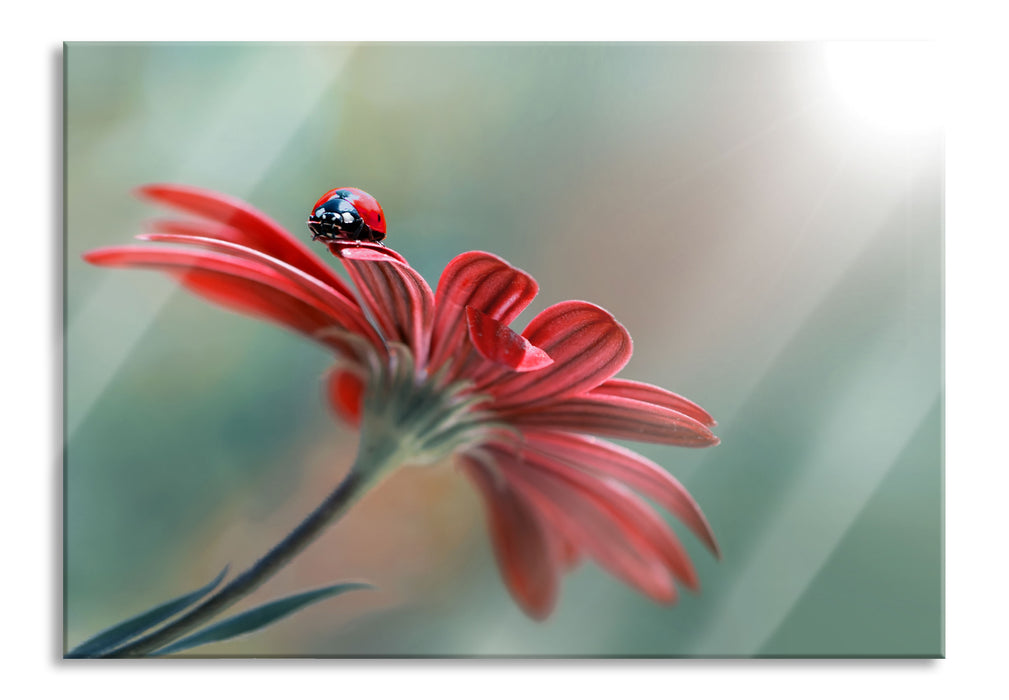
(894, 86)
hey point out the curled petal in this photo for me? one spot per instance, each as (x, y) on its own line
(608, 532)
(631, 469)
(480, 281)
(399, 299)
(255, 229)
(521, 544)
(587, 344)
(500, 344)
(615, 417)
(639, 391)
(235, 283)
(345, 390)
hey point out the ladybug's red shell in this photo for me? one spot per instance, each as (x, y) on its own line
(367, 207)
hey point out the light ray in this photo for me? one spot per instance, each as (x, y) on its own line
(821, 506)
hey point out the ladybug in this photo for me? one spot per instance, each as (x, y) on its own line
(347, 214)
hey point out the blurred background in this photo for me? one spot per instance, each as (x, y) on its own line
(765, 219)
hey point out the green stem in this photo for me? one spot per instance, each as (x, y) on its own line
(329, 510)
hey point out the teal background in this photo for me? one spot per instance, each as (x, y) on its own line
(774, 259)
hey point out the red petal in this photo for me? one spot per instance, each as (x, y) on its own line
(346, 392)
(484, 282)
(254, 299)
(639, 391)
(198, 227)
(397, 296)
(347, 310)
(363, 250)
(607, 532)
(255, 228)
(238, 284)
(501, 345)
(520, 543)
(587, 345)
(630, 468)
(642, 521)
(615, 417)
(570, 553)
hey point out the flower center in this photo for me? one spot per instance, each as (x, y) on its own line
(419, 420)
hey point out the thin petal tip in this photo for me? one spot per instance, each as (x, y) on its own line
(152, 190)
(538, 611)
(668, 599)
(98, 256)
(535, 358)
(705, 438)
(710, 543)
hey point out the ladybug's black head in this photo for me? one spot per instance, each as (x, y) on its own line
(337, 218)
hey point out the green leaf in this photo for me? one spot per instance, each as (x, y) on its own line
(257, 618)
(128, 629)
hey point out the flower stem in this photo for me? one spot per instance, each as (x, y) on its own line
(334, 506)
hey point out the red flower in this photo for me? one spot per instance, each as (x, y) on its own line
(518, 410)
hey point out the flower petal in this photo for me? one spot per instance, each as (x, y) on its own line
(570, 553)
(198, 227)
(615, 417)
(500, 344)
(643, 522)
(255, 228)
(235, 283)
(608, 533)
(521, 545)
(481, 281)
(639, 391)
(587, 344)
(397, 296)
(628, 467)
(346, 309)
(365, 250)
(345, 390)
